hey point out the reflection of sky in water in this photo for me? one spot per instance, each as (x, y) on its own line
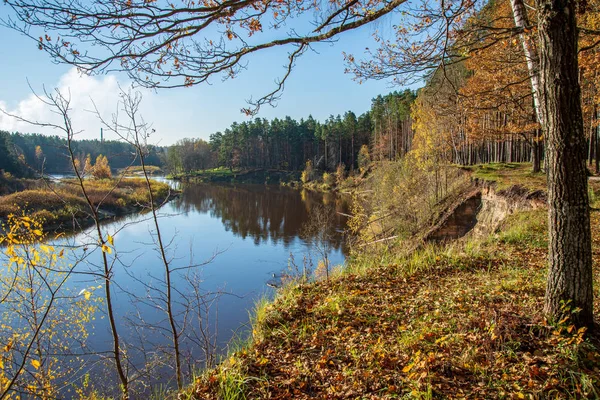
(252, 228)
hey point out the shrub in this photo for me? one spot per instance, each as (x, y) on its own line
(101, 169)
(88, 169)
(364, 159)
(44, 216)
(308, 173)
(328, 179)
(340, 174)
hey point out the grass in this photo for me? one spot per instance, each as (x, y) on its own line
(507, 175)
(60, 203)
(136, 170)
(226, 175)
(458, 321)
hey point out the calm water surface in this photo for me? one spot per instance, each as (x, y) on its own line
(246, 231)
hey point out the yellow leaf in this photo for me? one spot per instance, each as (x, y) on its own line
(106, 249)
(37, 232)
(408, 368)
(110, 240)
(87, 294)
(36, 364)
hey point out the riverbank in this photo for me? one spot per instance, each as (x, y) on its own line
(457, 319)
(226, 175)
(61, 206)
(137, 170)
(325, 182)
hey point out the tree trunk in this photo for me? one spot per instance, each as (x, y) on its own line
(352, 168)
(531, 54)
(536, 153)
(569, 283)
(597, 133)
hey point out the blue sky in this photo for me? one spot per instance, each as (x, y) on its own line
(318, 86)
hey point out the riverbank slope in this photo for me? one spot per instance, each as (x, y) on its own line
(456, 319)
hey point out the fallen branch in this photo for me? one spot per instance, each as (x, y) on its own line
(380, 240)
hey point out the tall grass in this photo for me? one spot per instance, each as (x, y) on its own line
(63, 200)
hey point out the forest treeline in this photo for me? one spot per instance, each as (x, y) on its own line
(482, 108)
(29, 154)
(287, 143)
(284, 144)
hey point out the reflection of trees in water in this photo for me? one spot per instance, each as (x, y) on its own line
(260, 211)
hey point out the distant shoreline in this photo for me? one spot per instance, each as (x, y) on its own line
(60, 206)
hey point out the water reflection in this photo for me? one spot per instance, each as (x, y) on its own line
(254, 228)
(263, 213)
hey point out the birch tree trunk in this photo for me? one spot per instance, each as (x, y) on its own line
(531, 54)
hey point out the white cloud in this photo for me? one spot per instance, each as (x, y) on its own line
(83, 91)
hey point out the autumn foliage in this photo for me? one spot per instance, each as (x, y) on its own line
(44, 322)
(481, 109)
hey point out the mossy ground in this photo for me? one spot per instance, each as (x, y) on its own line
(463, 320)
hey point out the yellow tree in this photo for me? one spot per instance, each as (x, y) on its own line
(101, 169)
(498, 97)
(39, 157)
(43, 322)
(88, 168)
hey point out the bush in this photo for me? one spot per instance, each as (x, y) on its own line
(308, 173)
(328, 179)
(364, 159)
(101, 169)
(340, 174)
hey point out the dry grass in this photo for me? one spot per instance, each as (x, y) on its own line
(63, 201)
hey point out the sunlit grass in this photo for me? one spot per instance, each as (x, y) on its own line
(62, 201)
(506, 175)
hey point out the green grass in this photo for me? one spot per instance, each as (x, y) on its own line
(526, 227)
(225, 175)
(506, 175)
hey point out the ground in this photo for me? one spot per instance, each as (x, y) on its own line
(457, 321)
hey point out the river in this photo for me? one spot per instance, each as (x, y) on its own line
(241, 238)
